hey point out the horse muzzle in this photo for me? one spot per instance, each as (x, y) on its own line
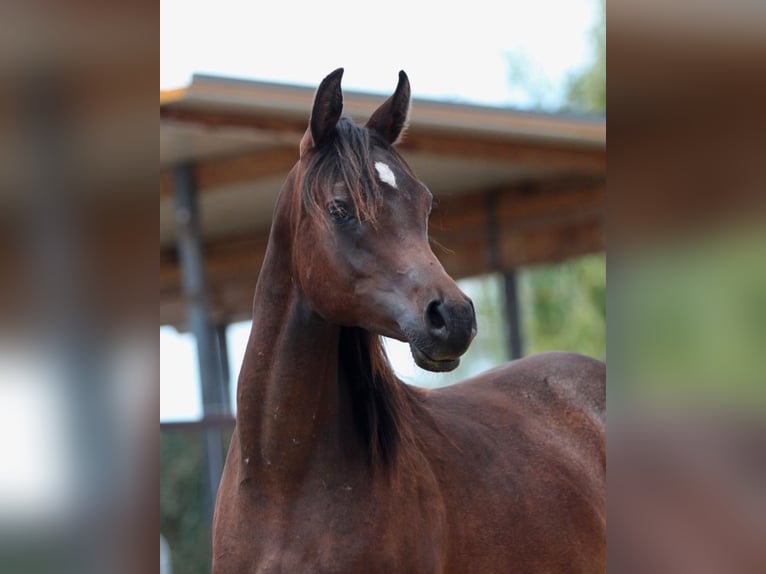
(446, 331)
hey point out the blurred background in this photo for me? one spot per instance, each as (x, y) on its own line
(507, 130)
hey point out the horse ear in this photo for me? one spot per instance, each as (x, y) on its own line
(328, 105)
(390, 119)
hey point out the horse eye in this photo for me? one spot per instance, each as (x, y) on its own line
(339, 211)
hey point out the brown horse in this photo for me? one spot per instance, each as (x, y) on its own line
(335, 464)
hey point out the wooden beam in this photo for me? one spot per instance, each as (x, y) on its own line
(236, 169)
(252, 166)
(231, 265)
(230, 260)
(233, 120)
(530, 246)
(213, 119)
(522, 204)
(521, 152)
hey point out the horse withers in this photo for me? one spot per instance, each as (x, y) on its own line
(335, 464)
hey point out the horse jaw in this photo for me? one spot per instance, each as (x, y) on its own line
(437, 366)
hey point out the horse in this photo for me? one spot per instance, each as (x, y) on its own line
(335, 465)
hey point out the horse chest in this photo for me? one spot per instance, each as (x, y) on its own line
(340, 529)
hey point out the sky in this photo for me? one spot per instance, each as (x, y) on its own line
(456, 53)
(508, 53)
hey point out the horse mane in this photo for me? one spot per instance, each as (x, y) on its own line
(382, 404)
(347, 158)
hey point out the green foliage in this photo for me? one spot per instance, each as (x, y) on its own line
(587, 89)
(183, 516)
(563, 306)
(584, 90)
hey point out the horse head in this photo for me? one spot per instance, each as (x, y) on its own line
(360, 248)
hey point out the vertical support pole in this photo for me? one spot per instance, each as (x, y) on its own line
(223, 356)
(189, 239)
(510, 286)
(512, 314)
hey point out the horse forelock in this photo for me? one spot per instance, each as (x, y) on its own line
(347, 160)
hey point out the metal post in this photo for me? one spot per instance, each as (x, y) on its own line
(214, 399)
(510, 290)
(512, 314)
(223, 359)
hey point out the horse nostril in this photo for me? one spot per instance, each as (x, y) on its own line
(434, 315)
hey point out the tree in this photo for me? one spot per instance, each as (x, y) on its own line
(183, 516)
(587, 89)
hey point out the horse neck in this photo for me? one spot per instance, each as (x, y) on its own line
(290, 408)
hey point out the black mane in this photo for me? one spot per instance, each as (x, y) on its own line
(381, 403)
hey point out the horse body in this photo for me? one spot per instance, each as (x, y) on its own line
(335, 465)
